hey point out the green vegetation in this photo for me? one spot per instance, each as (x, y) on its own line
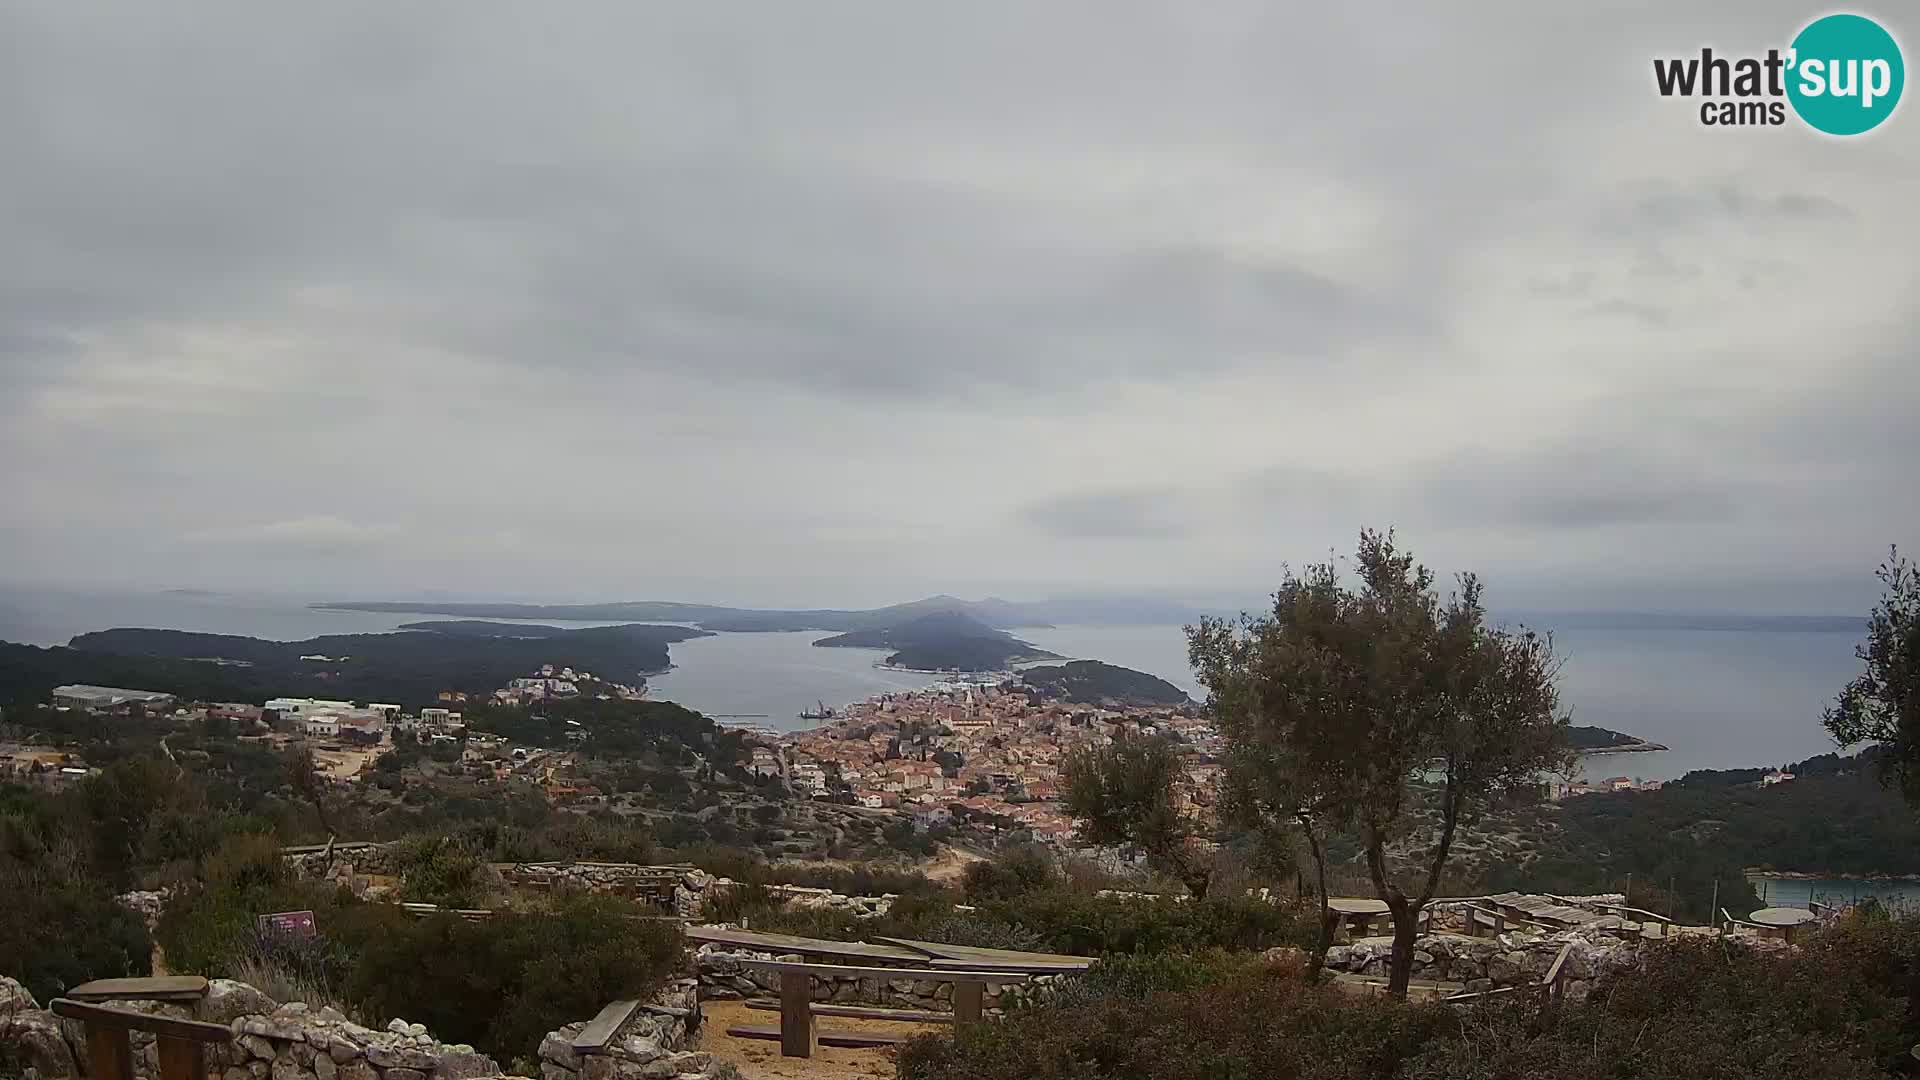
(498, 984)
(1882, 704)
(1095, 683)
(409, 668)
(1023, 900)
(1835, 818)
(1125, 793)
(1342, 701)
(942, 641)
(1842, 1009)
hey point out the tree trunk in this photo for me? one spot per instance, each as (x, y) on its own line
(1328, 920)
(1400, 969)
(1405, 933)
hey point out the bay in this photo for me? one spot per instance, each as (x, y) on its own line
(1717, 698)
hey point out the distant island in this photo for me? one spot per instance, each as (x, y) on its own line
(408, 667)
(1599, 740)
(991, 612)
(1095, 683)
(942, 641)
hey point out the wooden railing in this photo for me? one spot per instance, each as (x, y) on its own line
(181, 1043)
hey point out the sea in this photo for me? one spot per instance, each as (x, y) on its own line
(1733, 698)
(1720, 698)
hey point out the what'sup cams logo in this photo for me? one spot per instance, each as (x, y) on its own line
(1842, 75)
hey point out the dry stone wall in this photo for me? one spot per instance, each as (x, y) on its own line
(294, 1042)
(1489, 963)
(723, 977)
(653, 1043)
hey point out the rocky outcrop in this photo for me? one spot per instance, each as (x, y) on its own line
(32, 1040)
(651, 1044)
(724, 977)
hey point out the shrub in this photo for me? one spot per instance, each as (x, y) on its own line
(1266, 1024)
(434, 870)
(1078, 923)
(1703, 1010)
(1012, 874)
(1138, 976)
(503, 983)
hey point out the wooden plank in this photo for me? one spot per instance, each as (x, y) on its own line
(844, 1039)
(789, 943)
(105, 1016)
(943, 951)
(859, 972)
(862, 1012)
(1013, 969)
(181, 1059)
(796, 1014)
(968, 1002)
(162, 988)
(601, 1029)
(109, 1052)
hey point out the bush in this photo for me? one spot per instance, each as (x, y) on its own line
(1071, 922)
(1266, 1024)
(1012, 874)
(1702, 1010)
(434, 870)
(1138, 976)
(503, 983)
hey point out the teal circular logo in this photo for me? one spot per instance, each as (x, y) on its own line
(1845, 74)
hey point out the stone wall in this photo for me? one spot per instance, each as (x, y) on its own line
(351, 864)
(281, 1042)
(652, 1043)
(723, 977)
(1488, 963)
(294, 1042)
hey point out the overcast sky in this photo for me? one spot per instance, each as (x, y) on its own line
(848, 303)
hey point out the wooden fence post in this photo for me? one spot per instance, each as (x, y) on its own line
(969, 1000)
(796, 1014)
(109, 1053)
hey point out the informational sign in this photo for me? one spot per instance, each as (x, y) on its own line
(294, 924)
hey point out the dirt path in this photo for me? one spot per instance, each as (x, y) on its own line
(760, 1059)
(951, 864)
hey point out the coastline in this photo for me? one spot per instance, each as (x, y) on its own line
(1803, 875)
(1640, 746)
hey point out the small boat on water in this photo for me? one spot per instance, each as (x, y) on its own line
(819, 712)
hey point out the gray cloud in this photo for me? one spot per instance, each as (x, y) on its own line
(1106, 515)
(848, 303)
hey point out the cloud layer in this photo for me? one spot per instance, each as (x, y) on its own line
(845, 303)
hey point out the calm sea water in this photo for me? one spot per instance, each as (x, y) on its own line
(1719, 698)
(1716, 698)
(1836, 892)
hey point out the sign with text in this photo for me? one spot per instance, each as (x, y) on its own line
(296, 924)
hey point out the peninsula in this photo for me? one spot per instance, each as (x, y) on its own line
(942, 641)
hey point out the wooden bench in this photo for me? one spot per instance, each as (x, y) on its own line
(159, 988)
(861, 1012)
(181, 1044)
(796, 1032)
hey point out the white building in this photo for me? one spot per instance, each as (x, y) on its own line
(85, 696)
(322, 726)
(299, 708)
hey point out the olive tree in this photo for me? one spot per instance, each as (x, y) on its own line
(1350, 707)
(1882, 704)
(1127, 792)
